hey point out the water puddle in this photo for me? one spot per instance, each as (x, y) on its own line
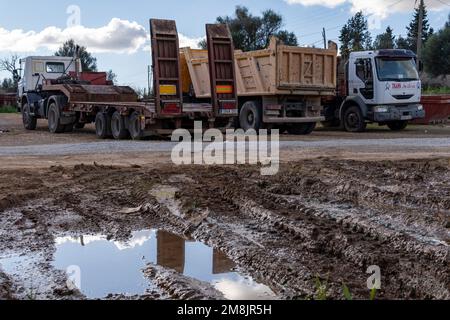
(115, 267)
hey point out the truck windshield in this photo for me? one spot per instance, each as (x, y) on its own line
(390, 69)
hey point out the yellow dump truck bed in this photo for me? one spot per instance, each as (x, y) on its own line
(277, 70)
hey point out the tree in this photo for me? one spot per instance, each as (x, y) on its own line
(111, 76)
(401, 43)
(413, 28)
(251, 32)
(436, 53)
(355, 35)
(88, 62)
(8, 85)
(385, 40)
(11, 65)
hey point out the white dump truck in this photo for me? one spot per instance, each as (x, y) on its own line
(376, 87)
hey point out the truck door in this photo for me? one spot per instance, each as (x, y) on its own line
(361, 80)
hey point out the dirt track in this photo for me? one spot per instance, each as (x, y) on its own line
(323, 216)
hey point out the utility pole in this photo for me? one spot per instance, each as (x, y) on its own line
(324, 35)
(420, 31)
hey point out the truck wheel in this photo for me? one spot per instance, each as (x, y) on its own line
(54, 121)
(354, 120)
(29, 121)
(134, 126)
(102, 124)
(397, 125)
(250, 116)
(118, 129)
(302, 129)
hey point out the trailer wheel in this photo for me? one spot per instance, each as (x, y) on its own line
(250, 116)
(354, 120)
(134, 126)
(397, 125)
(101, 125)
(118, 129)
(29, 121)
(54, 119)
(302, 129)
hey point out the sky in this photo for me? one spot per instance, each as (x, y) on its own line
(117, 32)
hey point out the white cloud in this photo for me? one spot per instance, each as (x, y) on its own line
(380, 8)
(184, 41)
(119, 36)
(189, 42)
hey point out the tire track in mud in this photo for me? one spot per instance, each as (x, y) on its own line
(180, 287)
(324, 219)
(413, 270)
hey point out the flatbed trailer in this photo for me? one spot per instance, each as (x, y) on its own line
(117, 111)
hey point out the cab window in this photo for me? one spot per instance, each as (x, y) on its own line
(55, 67)
(364, 69)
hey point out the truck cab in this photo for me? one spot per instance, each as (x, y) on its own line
(37, 69)
(381, 87)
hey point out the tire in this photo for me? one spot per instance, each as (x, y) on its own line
(302, 128)
(79, 125)
(54, 119)
(29, 121)
(118, 129)
(397, 125)
(250, 116)
(102, 125)
(134, 126)
(354, 120)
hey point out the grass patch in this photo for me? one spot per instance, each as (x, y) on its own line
(436, 90)
(8, 109)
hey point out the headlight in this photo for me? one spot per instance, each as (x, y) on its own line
(420, 107)
(381, 109)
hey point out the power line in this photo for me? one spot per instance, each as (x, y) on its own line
(325, 17)
(367, 16)
(444, 3)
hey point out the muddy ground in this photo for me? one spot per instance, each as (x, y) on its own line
(341, 203)
(322, 220)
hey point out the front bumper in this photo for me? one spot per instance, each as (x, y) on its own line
(397, 113)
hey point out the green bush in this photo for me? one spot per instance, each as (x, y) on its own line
(8, 109)
(436, 90)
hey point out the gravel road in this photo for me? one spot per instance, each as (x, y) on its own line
(112, 147)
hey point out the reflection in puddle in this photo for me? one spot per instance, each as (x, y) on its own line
(116, 267)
